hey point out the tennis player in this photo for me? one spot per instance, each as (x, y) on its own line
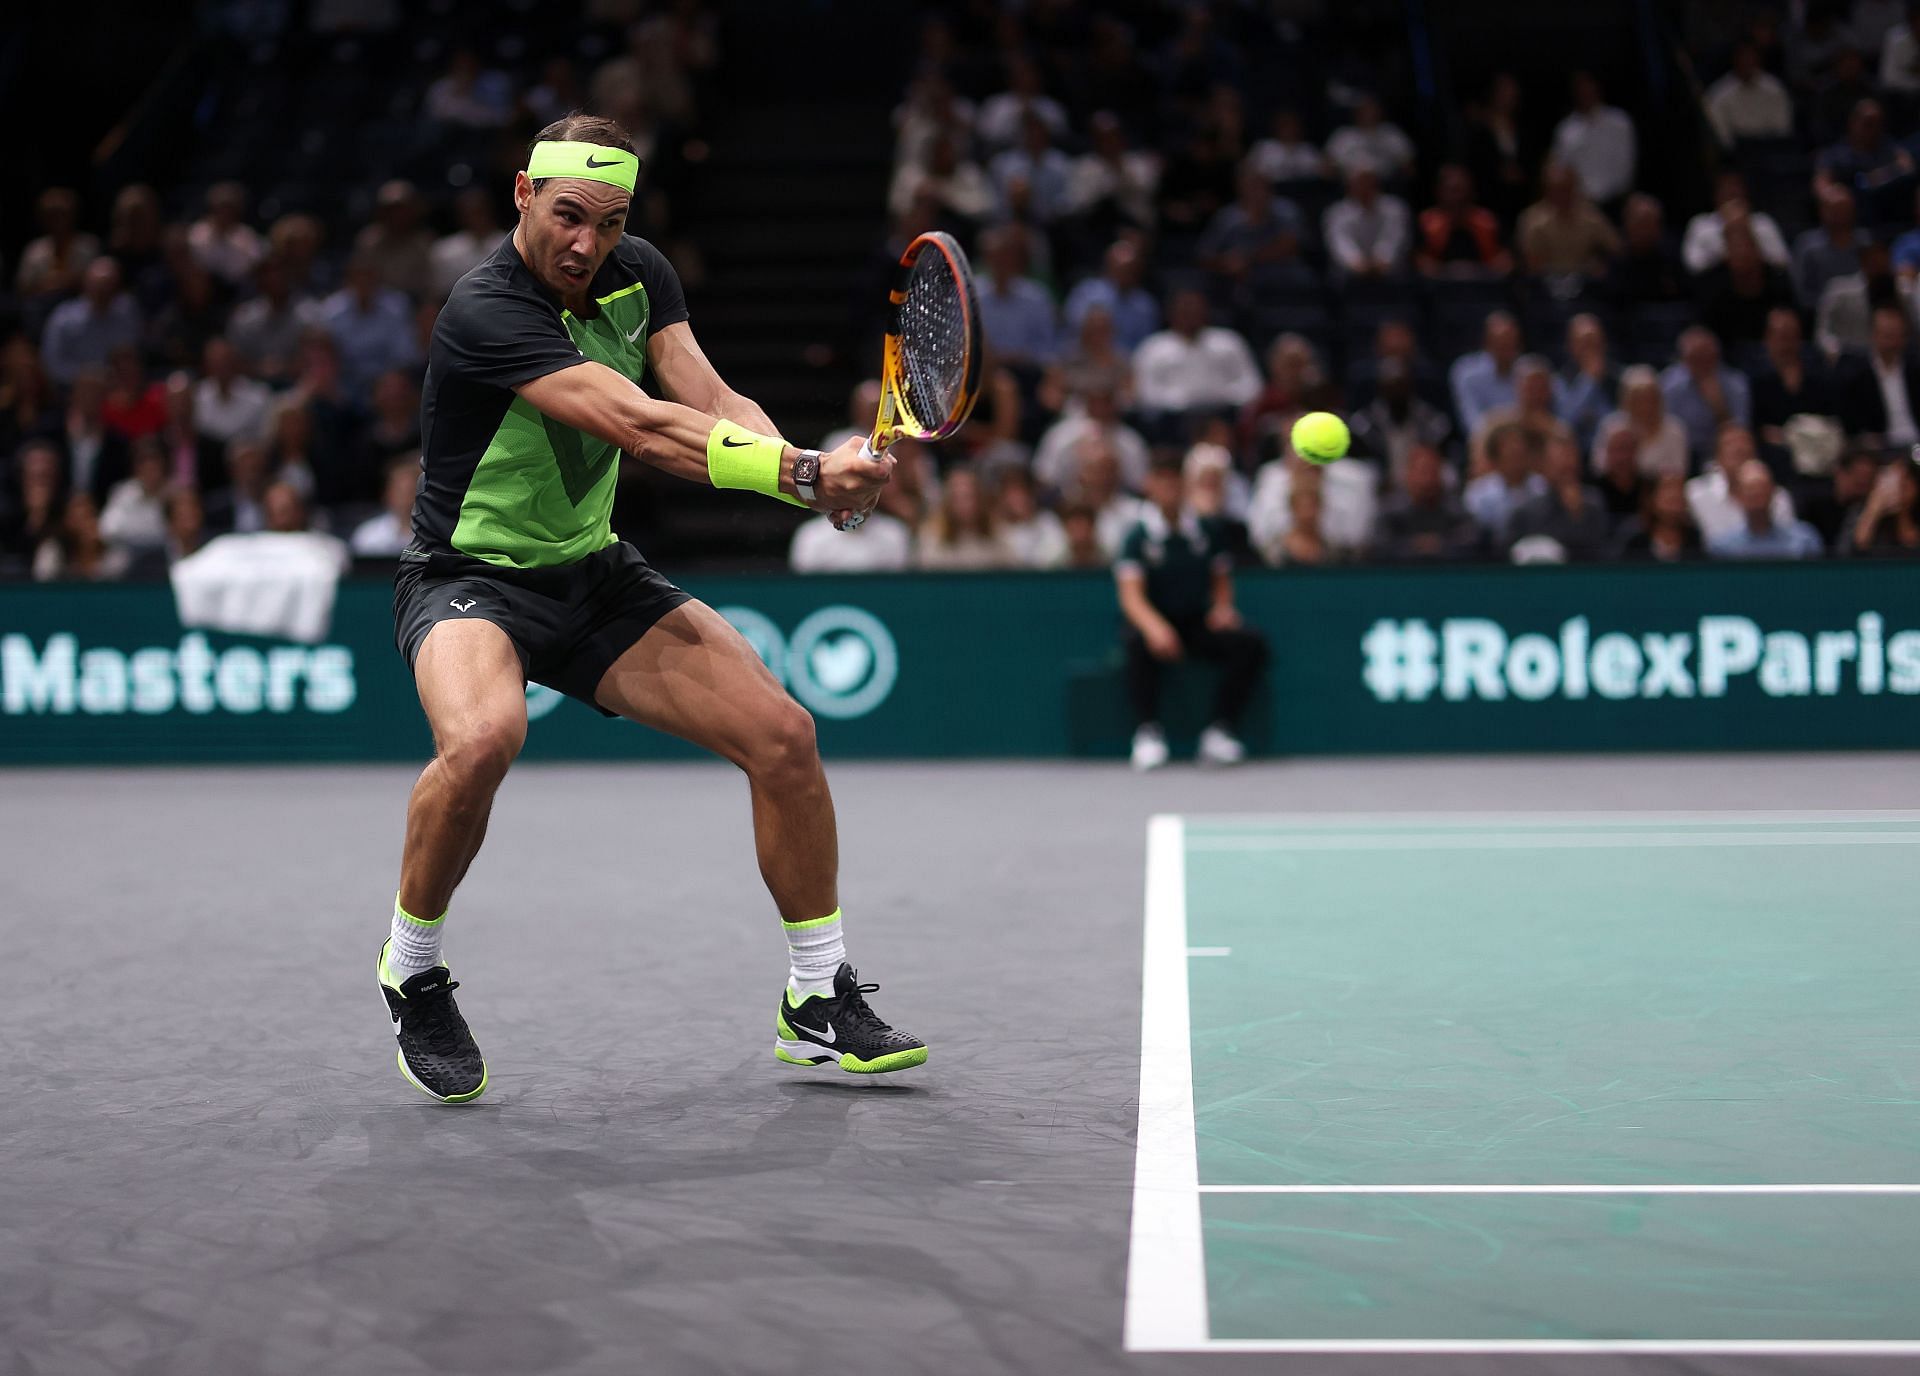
(514, 574)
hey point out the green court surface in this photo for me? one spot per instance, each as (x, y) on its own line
(1626, 1082)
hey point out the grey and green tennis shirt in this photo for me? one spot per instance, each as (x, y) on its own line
(503, 484)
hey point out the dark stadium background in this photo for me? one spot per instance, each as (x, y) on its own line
(772, 193)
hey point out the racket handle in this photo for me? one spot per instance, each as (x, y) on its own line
(871, 455)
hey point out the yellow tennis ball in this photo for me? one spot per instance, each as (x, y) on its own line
(1320, 437)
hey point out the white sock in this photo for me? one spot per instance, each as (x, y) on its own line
(814, 950)
(414, 945)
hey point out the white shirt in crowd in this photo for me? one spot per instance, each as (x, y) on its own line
(1900, 60)
(1892, 378)
(1130, 184)
(381, 536)
(967, 191)
(133, 518)
(1112, 522)
(1285, 162)
(231, 255)
(1001, 117)
(1757, 109)
(240, 412)
(883, 545)
(1174, 373)
(1716, 511)
(1348, 506)
(1058, 452)
(1359, 236)
(1705, 244)
(1040, 543)
(1599, 146)
(1383, 149)
(457, 254)
(969, 553)
(1665, 455)
(917, 128)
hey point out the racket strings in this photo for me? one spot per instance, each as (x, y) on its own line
(933, 342)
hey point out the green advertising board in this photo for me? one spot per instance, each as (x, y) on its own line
(1708, 657)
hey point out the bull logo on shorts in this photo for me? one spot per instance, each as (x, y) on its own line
(460, 606)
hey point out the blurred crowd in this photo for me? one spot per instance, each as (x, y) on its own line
(1186, 234)
(178, 362)
(1540, 362)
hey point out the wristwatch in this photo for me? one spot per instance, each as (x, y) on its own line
(806, 474)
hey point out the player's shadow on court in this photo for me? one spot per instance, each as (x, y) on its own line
(886, 1089)
(526, 1207)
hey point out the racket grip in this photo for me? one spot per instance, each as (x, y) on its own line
(866, 451)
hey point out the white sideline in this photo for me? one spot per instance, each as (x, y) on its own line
(1563, 1189)
(1542, 1347)
(1166, 1267)
(1526, 840)
(1166, 1302)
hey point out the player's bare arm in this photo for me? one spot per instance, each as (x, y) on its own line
(683, 373)
(678, 439)
(687, 375)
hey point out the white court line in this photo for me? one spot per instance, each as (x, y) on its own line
(1209, 950)
(1672, 1347)
(1521, 840)
(1355, 821)
(1562, 1189)
(1166, 1308)
(1166, 1267)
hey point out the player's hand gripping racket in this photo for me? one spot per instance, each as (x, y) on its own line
(930, 373)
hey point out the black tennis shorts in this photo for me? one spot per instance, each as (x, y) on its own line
(569, 623)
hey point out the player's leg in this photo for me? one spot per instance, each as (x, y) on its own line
(1241, 655)
(1143, 696)
(695, 677)
(470, 684)
(469, 679)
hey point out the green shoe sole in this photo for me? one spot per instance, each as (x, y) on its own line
(804, 1053)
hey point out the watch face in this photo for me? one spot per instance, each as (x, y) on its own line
(806, 469)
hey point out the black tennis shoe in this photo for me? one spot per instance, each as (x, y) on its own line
(437, 1052)
(842, 1027)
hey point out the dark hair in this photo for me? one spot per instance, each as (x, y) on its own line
(581, 127)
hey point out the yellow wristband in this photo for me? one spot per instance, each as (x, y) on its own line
(740, 460)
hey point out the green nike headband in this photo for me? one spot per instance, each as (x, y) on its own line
(591, 162)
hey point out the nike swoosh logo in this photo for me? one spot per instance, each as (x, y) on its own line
(636, 334)
(827, 1036)
(610, 162)
(727, 442)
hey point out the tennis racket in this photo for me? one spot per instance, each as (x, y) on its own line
(930, 370)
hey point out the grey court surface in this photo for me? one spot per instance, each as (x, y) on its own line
(208, 1163)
